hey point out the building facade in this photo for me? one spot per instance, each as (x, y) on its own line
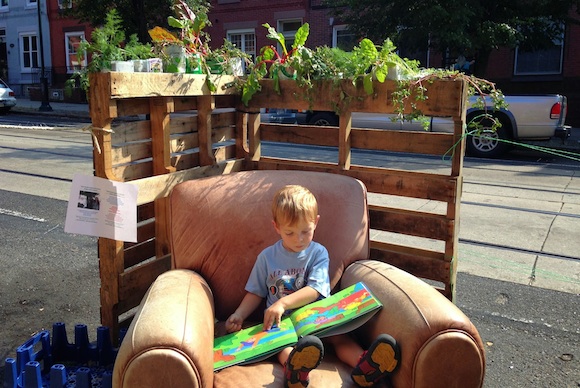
(20, 44)
(22, 24)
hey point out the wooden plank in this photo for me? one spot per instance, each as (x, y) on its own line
(428, 143)
(254, 137)
(183, 124)
(241, 135)
(140, 253)
(131, 152)
(132, 107)
(135, 171)
(185, 104)
(183, 142)
(128, 132)
(378, 180)
(422, 263)
(131, 85)
(410, 222)
(344, 140)
(160, 111)
(101, 105)
(162, 230)
(145, 212)
(406, 183)
(223, 119)
(110, 266)
(444, 97)
(205, 105)
(300, 134)
(186, 161)
(154, 187)
(135, 282)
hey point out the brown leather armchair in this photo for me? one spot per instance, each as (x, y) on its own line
(218, 225)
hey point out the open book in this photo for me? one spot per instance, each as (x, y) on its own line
(340, 313)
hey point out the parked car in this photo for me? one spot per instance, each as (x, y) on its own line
(529, 118)
(279, 116)
(7, 99)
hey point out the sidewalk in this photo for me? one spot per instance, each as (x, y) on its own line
(24, 105)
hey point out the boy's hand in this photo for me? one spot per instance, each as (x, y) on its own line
(273, 315)
(234, 323)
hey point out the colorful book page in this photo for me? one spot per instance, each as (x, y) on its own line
(249, 344)
(344, 306)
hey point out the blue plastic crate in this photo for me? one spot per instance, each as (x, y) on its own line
(82, 364)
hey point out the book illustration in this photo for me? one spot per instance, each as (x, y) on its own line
(245, 344)
(339, 313)
(354, 301)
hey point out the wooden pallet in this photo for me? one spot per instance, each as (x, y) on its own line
(168, 128)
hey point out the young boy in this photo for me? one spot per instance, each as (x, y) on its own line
(294, 272)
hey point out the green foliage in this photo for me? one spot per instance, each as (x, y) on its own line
(472, 27)
(107, 45)
(366, 63)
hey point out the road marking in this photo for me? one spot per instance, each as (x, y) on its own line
(21, 215)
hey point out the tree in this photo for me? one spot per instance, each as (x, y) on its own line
(468, 27)
(139, 16)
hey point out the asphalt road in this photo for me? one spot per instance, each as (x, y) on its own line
(519, 272)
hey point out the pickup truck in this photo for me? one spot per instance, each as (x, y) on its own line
(527, 118)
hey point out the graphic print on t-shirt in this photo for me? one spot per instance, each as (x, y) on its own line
(281, 285)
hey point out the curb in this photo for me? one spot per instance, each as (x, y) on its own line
(57, 112)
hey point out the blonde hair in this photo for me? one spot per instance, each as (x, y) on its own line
(293, 203)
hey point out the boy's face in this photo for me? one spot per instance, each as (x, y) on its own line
(296, 238)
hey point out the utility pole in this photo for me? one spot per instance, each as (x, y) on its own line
(45, 104)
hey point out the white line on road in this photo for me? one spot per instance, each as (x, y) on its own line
(21, 215)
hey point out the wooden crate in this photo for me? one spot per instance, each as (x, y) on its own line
(168, 128)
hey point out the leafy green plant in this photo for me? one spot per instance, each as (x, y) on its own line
(107, 45)
(271, 62)
(367, 63)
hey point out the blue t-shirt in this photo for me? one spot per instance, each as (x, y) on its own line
(279, 272)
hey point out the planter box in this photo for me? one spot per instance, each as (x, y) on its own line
(203, 140)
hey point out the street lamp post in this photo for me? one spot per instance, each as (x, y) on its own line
(44, 105)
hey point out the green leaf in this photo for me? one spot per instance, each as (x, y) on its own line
(277, 36)
(173, 22)
(301, 36)
(381, 72)
(368, 83)
(368, 48)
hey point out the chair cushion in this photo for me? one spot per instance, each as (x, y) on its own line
(220, 224)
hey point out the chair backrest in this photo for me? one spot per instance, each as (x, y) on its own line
(219, 225)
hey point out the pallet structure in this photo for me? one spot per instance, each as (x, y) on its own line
(179, 131)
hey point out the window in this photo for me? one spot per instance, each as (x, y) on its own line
(74, 61)
(62, 4)
(31, 3)
(3, 5)
(539, 62)
(29, 52)
(343, 38)
(245, 40)
(288, 28)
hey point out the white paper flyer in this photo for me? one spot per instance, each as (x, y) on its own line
(103, 208)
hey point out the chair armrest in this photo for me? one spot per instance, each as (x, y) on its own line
(170, 340)
(440, 347)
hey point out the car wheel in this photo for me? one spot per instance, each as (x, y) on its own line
(488, 143)
(324, 119)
